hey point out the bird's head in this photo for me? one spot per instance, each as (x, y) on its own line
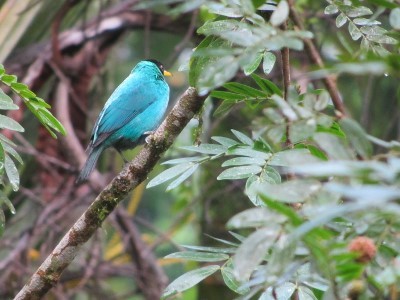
(151, 65)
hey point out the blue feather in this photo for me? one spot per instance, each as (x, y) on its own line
(136, 106)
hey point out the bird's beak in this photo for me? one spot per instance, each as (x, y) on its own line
(166, 73)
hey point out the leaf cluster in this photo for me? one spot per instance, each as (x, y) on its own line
(370, 32)
(7, 147)
(311, 175)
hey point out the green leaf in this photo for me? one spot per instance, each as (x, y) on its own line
(221, 9)
(281, 292)
(341, 19)
(283, 209)
(152, 3)
(242, 137)
(276, 133)
(268, 62)
(292, 157)
(293, 191)
(18, 87)
(6, 102)
(305, 293)
(359, 11)
(269, 175)
(240, 161)
(188, 280)
(185, 7)
(301, 130)
(237, 236)
(251, 66)
(12, 173)
(394, 18)
(317, 152)
(285, 108)
(280, 14)
(211, 249)
(333, 146)
(254, 217)
(244, 90)
(184, 160)
(199, 256)
(47, 118)
(331, 9)
(8, 79)
(373, 30)
(239, 172)
(242, 36)
(169, 174)
(247, 7)
(224, 108)
(40, 103)
(252, 252)
(365, 22)
(7, 140)
(227, 96)
(8, 123)
(355, 33)
(231, 282)
(266, 85)
(322, 100)
(216, 27)
(10, 150)
(223, 241)
(27, 95)
(216, 73)
(206, 148)
(227, 142)
(5, 200)
(357, 137)
(185, 175)
(198, 63)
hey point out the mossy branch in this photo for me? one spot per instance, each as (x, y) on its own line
(48, 274)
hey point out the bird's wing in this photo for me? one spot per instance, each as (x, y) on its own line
(124, 105)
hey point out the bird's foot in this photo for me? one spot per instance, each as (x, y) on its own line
(148, 137)
(123, 157)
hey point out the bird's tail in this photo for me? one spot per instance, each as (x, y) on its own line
(89, 164)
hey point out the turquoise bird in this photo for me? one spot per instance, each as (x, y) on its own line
(134, 109)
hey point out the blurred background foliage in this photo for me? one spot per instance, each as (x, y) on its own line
(98, 43)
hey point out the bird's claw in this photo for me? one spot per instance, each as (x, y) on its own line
(148, 137)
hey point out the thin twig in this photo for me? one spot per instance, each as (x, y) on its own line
(150, 278)
(186, 39)
(286, 83)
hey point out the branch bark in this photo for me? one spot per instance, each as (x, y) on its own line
(48, 274)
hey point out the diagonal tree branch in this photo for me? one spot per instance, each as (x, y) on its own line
(48, 274)
(315, 57)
